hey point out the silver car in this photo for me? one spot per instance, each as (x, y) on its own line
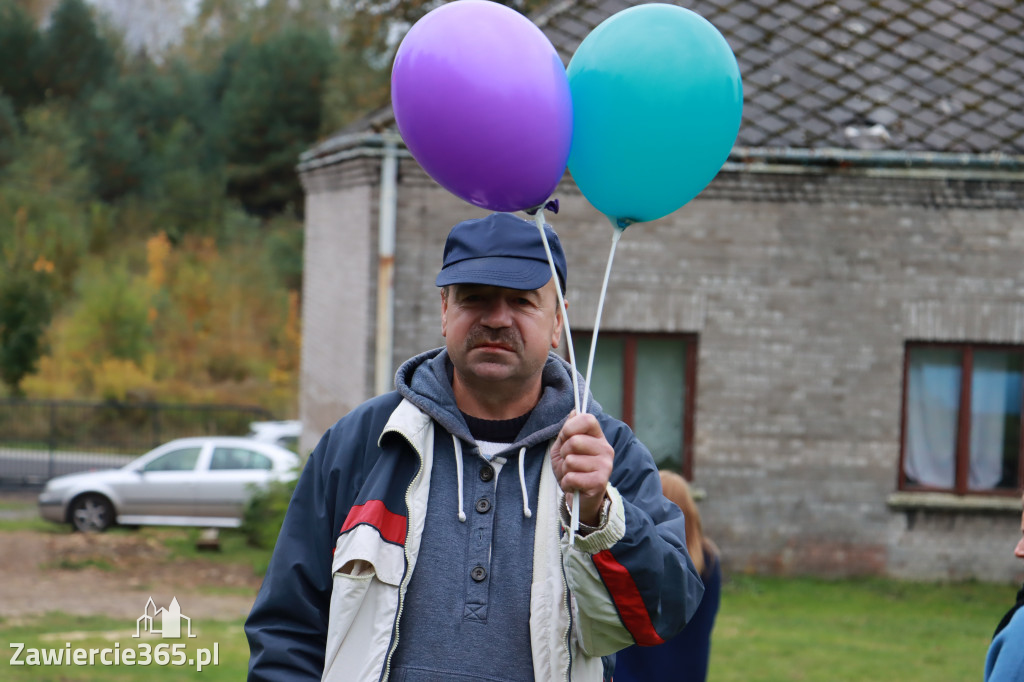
(186, 482)
(285, 433)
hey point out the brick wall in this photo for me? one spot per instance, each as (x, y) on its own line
(339, 282)
(803, 290)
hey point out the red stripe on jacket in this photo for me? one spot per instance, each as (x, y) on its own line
(391, 526)
(627, 599)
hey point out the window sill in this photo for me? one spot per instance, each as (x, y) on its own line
(955, 503)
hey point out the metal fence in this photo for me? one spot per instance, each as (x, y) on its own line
(40, 439)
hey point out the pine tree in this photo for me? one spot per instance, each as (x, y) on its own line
(74, 58)
(19, 52)
(25, 311)
(271, 109)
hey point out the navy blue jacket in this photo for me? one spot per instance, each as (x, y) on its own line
(354, 518)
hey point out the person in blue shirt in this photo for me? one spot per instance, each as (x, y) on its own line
(683, 658)
(1005, 659)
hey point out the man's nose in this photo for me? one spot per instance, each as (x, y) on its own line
(1020, 549)
(497, 314)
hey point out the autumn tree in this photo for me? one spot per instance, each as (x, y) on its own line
(44, 233)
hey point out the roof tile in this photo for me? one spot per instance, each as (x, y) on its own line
(940, 75)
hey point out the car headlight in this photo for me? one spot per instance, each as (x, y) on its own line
(48, 496)
(51, 492)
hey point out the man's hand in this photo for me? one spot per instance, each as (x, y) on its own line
(582, 459)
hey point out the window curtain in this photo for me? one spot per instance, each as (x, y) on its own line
(606, 381)
(933, 395)
(659, 396)
(995, 396)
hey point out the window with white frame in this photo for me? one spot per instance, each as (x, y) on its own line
(649, 382)
(961, 418)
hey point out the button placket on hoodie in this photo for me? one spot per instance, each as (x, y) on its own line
(480, 495)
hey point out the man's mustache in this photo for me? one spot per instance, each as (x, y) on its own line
(480, 336)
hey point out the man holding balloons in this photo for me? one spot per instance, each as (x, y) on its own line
(479, 522)
(427, 538)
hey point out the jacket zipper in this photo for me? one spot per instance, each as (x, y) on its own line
(567, 602)
(408, 574)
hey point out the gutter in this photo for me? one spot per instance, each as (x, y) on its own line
(345, 147)
(877, 163)
(383, 371)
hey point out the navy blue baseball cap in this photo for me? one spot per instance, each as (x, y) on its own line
(500, 250)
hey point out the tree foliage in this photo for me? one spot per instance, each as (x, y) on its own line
(25, 309)
(150, 234)
(271, 114)
(8, 130)
(20, 45)
(74, 59)
(110, 318)
(44, 199)
(43, 237)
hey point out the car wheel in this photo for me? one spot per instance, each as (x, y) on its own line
(92, 513)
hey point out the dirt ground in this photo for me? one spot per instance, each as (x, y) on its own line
(114, 574)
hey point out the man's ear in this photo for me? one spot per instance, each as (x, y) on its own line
(556, 337)
(444, 313)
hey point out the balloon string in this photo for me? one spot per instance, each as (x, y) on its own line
(574, 517)
(539, 220)
(600, 309)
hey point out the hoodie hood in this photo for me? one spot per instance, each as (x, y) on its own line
(423, 381)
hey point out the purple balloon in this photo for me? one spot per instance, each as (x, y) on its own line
(482, 101)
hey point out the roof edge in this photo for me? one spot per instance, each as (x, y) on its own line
(996, 165)
(838, 156)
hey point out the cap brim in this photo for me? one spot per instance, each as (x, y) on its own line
(497, 271)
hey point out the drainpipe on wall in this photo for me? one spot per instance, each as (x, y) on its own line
(383, 374)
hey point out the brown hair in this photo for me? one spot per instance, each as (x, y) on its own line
(676, 489)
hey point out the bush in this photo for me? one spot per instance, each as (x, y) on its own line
(265, 512)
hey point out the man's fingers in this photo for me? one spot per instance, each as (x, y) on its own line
(588, 484)
(584, 459)
(585, 470)
(579, 425)
(581, 445)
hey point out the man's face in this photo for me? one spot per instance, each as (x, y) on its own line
(495, 334)
(1019, 552)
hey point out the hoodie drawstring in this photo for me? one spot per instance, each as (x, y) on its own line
(522, 478)
(522, 483)
(458, 474)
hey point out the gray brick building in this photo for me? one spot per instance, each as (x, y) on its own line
(837, 321)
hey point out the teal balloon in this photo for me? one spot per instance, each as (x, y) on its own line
(657, 101)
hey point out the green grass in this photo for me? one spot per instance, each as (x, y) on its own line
(80, 564)
(790, 630)
(181, 541)
(233, 548)
(20, 512)
(768, 629)
(21, 503)
(55, 630)
(34, 524)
